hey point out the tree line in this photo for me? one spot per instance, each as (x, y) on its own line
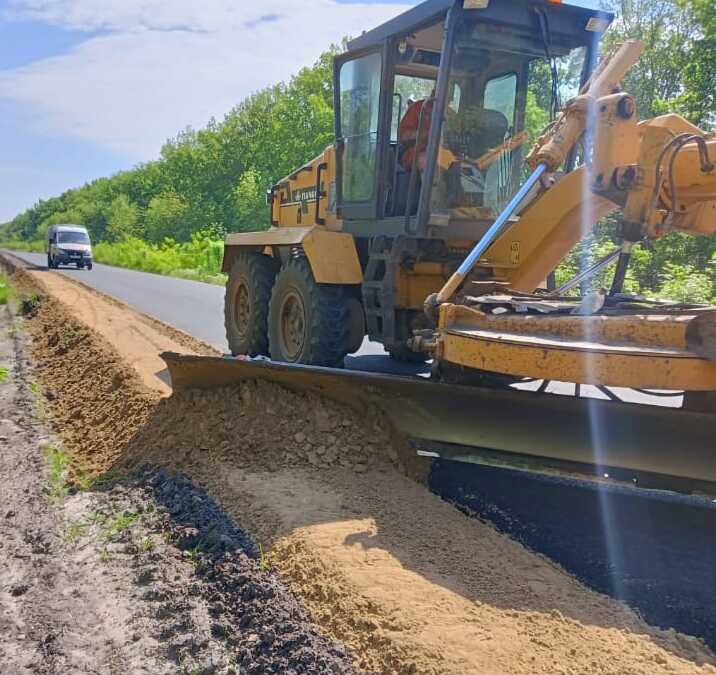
(211, 181)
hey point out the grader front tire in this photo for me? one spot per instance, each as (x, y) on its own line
(246, 303)
(308, 322)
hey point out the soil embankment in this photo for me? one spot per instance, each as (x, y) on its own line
(402, 578)
(143, 575)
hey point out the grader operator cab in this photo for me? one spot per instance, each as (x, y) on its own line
(477, 141)
(432, 117)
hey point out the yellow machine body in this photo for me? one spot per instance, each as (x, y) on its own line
(446, 256)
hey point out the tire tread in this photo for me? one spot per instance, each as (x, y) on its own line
(329, 314)
(261, 273)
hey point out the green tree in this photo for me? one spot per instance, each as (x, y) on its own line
(698, 100)
(122, 219)
(251, 206)
(165, 217)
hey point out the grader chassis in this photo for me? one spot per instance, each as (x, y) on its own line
(445, 256)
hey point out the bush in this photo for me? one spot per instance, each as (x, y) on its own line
(18, 245)
(198, 259)
(686, 284)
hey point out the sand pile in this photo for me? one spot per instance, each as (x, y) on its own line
(262, 426)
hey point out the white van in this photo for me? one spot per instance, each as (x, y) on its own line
(69, 245)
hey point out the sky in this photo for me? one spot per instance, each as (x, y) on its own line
(90, 87)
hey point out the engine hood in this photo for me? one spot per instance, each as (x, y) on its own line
(75, 247)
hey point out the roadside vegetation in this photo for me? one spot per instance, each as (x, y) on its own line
(169, 216)
(58, 464)
(4, 290)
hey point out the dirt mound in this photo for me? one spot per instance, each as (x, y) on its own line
(251, 610)
(95, 400)
(405, 580)
(274, 428)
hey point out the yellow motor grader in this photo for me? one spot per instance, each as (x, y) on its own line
(434, 223)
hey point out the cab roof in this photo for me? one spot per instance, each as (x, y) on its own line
(569, 20)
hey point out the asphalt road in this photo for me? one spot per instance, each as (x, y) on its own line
(653, 550)
(198, 309)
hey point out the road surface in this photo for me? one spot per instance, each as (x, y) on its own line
(195, 307)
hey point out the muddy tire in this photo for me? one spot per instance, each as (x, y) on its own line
(404, 354)
(308, 322)
(356, 320)
(246, 303)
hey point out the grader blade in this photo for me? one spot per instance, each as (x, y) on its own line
(647, 446)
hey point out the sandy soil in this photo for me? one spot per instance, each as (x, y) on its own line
(408, 582)
(61, 610)
(146, 575)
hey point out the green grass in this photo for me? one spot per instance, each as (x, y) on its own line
(57, 464)
(199, 259)
(39, 402)
(4, 374)
(21, 245)
(264, 562)
(4, 290)
(118, 524)
(146, 545)
(193, 555)
(74, 532)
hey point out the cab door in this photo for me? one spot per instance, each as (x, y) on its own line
(358, 86)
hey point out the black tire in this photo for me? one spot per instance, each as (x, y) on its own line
(89, 266)
(49, 261)
(404, 354)
(356, 319)
(308, 322)
(246, 303)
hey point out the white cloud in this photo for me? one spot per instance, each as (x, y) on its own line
(161, 65)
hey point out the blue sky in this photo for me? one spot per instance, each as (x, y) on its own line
(89, 87)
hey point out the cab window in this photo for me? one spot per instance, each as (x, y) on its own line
(360, 106)
(406, 91)
(501, 95)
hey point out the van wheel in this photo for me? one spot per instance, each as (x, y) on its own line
(308, 322)
(89, 266)
(246, 303)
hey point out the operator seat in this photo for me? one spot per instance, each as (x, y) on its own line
(473, 132)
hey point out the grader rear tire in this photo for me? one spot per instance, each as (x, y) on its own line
(308, 322)
(246, 303)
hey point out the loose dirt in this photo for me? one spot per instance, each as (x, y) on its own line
(404, 579)
(144, 575)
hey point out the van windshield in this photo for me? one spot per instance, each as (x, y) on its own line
(72, 238)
